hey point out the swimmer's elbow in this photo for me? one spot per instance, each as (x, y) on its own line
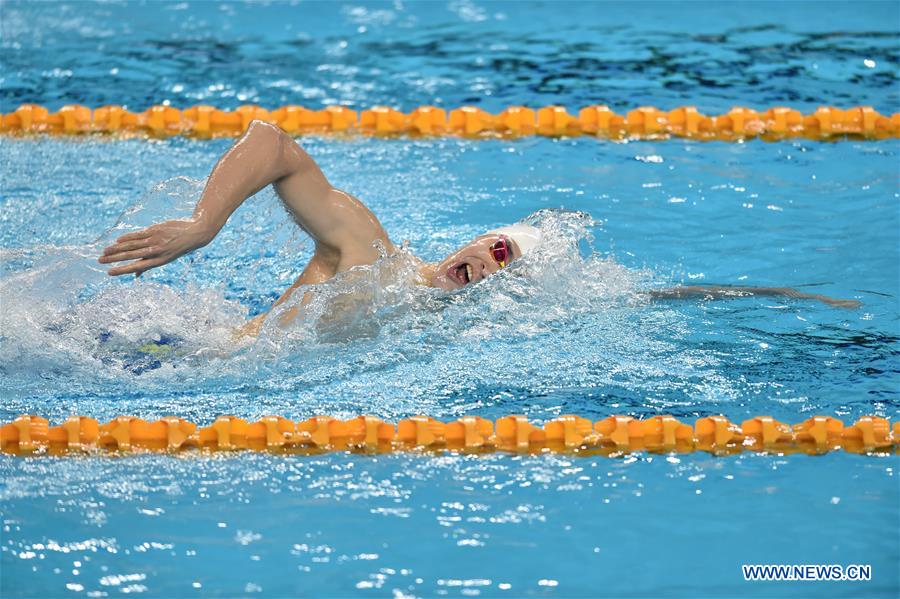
(265, 136)
(283, 151)
(259, 128)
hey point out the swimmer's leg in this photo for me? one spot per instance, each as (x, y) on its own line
(714, 292)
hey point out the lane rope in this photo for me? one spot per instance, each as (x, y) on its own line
(204, 122)
(612, 436)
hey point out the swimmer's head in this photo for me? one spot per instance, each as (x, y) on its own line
(485, 255)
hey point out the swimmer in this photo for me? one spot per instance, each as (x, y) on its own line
(346, 233)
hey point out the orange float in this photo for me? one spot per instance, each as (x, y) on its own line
(614, 435)
(645, 122)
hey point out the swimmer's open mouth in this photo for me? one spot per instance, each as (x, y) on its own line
(462, 273)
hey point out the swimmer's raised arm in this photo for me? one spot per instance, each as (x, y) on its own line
(725, 292)
(341, 226)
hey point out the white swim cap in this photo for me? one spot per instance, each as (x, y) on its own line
(525, 236)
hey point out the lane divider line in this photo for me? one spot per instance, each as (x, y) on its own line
(616, 435)
(646, 122)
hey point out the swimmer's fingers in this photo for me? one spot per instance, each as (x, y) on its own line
(131, 241)
(155, 246)
(121, 256)
(143, 233)
(126, 246)
(138, 267)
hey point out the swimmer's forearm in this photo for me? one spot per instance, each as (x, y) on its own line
(339, 223)
(264, 155)
(710, 291)
(260, 158)
(724, 291)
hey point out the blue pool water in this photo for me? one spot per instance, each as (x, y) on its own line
(493, 54)
(577, 337)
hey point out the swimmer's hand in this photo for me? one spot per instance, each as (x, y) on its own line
(156, 245)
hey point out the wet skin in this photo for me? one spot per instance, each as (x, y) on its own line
(471, 263)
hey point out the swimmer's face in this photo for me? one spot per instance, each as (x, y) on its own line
(475, 261)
